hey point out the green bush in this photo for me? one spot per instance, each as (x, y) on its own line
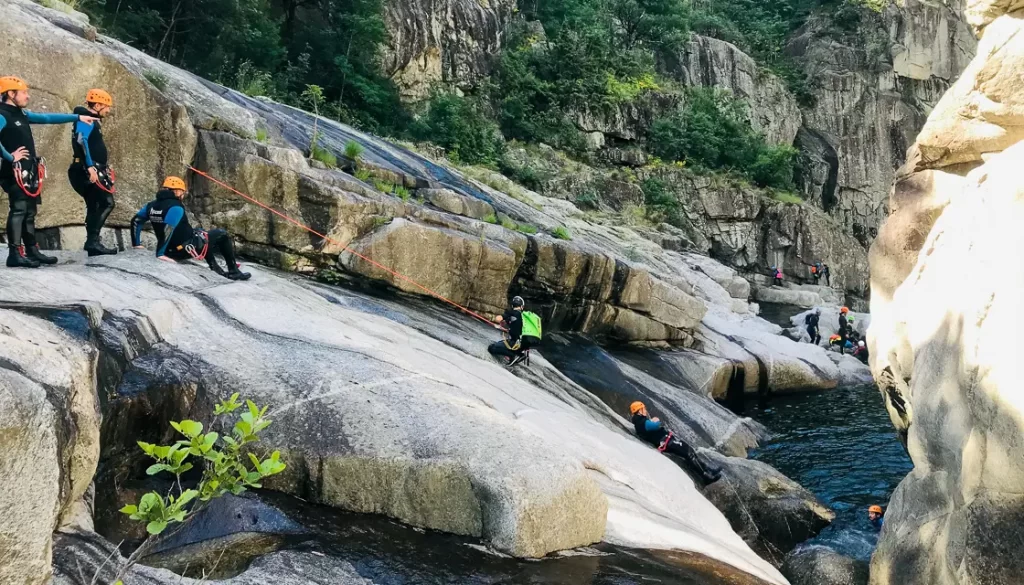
(491, 218)
(254, 82)
(261, 134)
(159, 80)
(508, 224)
(713, 132)
(459, 125)
(325, 156)
(562, 233)
(661, 204)
(363, 175)
(353, 150)
(526, 228)
(401, 192)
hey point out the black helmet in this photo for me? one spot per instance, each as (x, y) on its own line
(518, 303)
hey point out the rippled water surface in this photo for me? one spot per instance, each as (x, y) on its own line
(841, 446)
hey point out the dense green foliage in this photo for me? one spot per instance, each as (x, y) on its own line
(713, 131)
(459, 125)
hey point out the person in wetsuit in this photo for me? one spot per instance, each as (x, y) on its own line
(813, 326)
(176, 239)
(523, 333)
(21, 173)
(876, 516)
(844, 323)
(653, 432)
(89, 174)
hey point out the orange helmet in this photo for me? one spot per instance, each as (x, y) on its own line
(98, 96)
(12, 83)
(844, 310)
(875, 509)
(175, 183)
(636, 407)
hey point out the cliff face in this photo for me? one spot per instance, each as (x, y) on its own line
(449, 42)
(946, 308)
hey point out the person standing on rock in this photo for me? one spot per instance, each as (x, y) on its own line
(844, 323)
(22, 172)
(826, 273)
(523, 332)
(89, 174)
(176, 239)
(813, 326)
(652, 431)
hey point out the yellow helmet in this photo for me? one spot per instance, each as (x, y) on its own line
(98, 96)
(175, 183)
(11, 83)
(636, 407)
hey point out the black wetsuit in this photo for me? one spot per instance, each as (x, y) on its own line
(513, 321)
(90, 151)
(812, 328)
(844, 325)
(183, 241)
(654, 433)
(15, 133)
(827, 274)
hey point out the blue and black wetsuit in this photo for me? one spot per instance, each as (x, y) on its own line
(90, 152)
(654, 433)
(176, 238)
(15, 133)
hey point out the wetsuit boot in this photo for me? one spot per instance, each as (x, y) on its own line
(16, 258)
(33, 253)
(237, 274)
(98, 208)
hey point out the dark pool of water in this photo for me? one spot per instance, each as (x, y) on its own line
(841, 446)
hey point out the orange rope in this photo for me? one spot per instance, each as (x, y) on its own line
(340, 245)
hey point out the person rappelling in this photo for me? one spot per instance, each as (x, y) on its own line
(652, 431)
(522, 332)
(22, 171)
(90, 174)
(177, 239)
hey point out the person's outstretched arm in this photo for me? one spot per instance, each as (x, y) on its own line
(37, 118)
(3, 151)
(171, 221)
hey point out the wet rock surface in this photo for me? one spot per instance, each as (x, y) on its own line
(819, 565)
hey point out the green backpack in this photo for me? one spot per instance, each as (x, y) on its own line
(531, 325)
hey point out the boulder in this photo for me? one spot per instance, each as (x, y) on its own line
(453, 202)
(949, 377)
(49, 432)
(820, 565)
(771, 512)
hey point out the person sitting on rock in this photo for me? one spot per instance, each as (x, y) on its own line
(22, 172)
(777, 276)
(522, 333)
(839, 344)
(652, 431)
(89, 174)
(176, 239)
(813, 329)
(861, 352)
(876, 515)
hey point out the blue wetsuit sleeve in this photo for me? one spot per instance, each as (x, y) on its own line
(82, 132)
(138, 222)
(36, 118)
(173, 217)
(652, 425)
(3, 151)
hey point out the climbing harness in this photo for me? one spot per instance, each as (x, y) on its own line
(30, 178)
(664, 444)
(107, 177)
(193, 249)
(340, 245)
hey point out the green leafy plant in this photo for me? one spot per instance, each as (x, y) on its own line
(254, 82)
(401, 192)
(331, 276)
(261, 135)
(491, 218)
(229, 463)
(353, 150)
(380, 220)
(159, 80)
(459, 125)
(325, 156)
(383, 186)
(313, 97)
(526, 228)
(363, 175)
(562, 233)
(508, 224)
(786, 197)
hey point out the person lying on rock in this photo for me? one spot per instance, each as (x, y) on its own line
(177, 239)
(22, 172)
(522, 333)
(652, 431)
(876, 516)
(813, 328)
(89, 174)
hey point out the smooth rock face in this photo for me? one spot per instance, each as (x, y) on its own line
(49, 433)
(949, 376)
(819, 565)
(372, 415)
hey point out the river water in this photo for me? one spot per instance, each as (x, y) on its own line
(841, 446)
